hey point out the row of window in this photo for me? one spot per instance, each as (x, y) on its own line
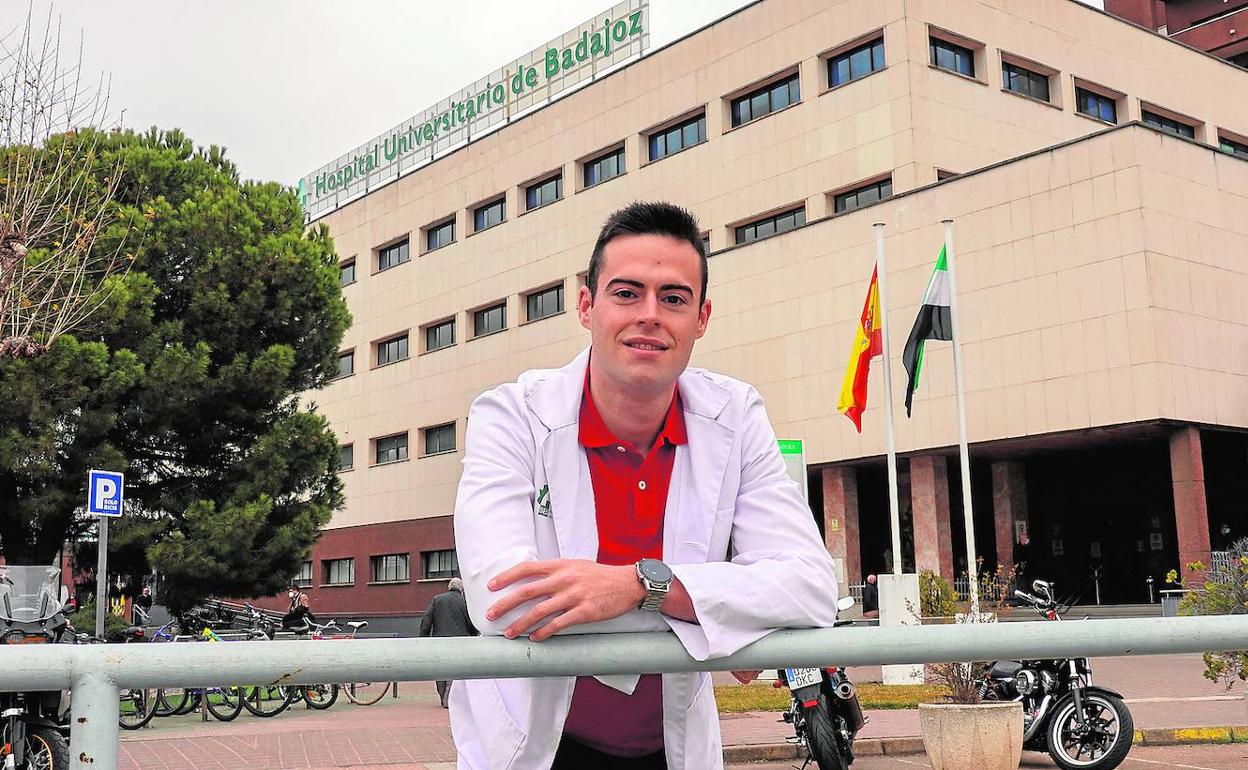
(775, 95)
(1097, 102)
(539, 304)
(383, 568)
(438, 439)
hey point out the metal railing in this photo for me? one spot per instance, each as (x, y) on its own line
(96, 672)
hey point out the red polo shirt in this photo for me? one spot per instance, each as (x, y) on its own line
(630, 496)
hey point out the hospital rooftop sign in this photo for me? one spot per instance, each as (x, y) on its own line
(605, 41)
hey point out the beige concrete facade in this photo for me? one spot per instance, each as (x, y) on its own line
(1101, 270)
(1102, 280)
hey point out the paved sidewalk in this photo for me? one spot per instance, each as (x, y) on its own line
(413, 732)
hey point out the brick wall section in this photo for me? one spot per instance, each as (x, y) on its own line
(362, 600)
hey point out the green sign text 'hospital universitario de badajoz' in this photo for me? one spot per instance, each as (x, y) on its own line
(579, 55)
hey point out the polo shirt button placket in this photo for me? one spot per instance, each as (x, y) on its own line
(641, 485)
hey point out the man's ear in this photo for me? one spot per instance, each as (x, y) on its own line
(584, 302)
(704, 318)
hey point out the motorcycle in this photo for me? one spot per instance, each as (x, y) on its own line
(1080, 725)
(824, 710)
(33, 725)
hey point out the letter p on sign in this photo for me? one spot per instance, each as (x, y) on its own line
(104, 493)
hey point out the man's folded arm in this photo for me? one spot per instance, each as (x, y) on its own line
(780, 575)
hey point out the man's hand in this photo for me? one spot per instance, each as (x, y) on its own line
(583, 591)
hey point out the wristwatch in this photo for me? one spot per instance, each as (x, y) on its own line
(656, 578)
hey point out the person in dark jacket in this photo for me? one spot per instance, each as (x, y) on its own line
(300, 611)
(870, 598)
(447, 615)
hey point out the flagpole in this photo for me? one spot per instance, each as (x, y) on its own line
(881, 281)
(963, 452)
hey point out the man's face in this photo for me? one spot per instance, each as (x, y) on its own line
(646, 314)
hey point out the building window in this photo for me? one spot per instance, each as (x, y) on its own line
(1024, 81)
(545, 303)
(303, 578)
(1233, 147)
(338, 572)
(1169, 125)
(543, 193)
(706, 243)
(391, 449)
(390, 568)
(766, 100)
(440, 335)
(1095, 105)
(774, 225)
(604, 167)
(856, 199)
(439, 439)
(942, 174)
(952, 57)
(439, 565)
(489, 320)
(487, 215)
(346, 276)
(346, 363)
(392, 350)
(859, 62)
(679, 137)
(437, 236)
(392, 256)
(346, 457)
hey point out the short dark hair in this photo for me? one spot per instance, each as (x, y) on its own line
(644, 218)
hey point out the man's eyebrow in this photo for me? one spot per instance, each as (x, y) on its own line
(638, 284)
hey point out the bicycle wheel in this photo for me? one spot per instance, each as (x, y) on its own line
(137, 708)
(169, 702)
(224, 703)
(320, 696)
(365, 693)
(266, 700)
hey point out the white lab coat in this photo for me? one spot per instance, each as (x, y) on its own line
(728, 486)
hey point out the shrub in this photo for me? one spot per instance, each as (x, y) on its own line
(1225, 592)
(936, 596)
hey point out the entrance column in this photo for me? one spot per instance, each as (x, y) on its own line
(929, 506)
(1191, 511)
(840, 521)
(1009, 510)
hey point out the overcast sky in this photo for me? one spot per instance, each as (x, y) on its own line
(287, 85)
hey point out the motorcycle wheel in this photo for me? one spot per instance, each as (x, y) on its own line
(46, 749)
(1103, 746)
(821, 736)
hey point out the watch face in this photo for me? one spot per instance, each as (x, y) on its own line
(655, 570)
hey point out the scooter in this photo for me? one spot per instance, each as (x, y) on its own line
(34, 724)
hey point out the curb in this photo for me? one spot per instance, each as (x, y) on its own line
(875, 747)
(1181, 736)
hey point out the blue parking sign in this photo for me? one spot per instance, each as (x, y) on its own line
(104, 492)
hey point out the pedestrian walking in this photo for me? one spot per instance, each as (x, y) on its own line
(447, 615)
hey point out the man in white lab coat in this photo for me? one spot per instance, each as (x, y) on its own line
(627, 492)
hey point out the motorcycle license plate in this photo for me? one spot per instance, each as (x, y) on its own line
(802, 677)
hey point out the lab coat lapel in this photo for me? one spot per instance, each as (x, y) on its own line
(698, 473)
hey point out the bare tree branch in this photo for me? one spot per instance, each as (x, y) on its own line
(56, 192)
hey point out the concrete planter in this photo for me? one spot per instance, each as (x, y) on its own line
(984, 736)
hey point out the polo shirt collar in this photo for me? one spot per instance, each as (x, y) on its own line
(594, 433)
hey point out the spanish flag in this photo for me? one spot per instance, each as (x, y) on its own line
(867, 345)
